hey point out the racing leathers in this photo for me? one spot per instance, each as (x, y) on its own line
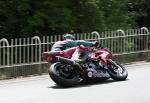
(64, 45)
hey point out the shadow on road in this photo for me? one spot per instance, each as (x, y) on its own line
(87, 84)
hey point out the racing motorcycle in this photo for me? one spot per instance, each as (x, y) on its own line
(78, 64)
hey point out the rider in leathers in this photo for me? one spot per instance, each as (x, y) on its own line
(70, 42)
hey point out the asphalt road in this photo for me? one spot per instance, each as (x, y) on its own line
(41, 89)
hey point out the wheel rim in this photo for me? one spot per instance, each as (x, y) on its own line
(119, 71)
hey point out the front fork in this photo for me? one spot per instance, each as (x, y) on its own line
(105, 64)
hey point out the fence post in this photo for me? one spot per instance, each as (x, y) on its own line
(39, 40)
(96, 33)
(7, 46)
(122, 31)
(147, 41)
(123, 41)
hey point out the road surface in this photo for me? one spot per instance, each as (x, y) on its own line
(41, 89)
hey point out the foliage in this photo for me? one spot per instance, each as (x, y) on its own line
(139, 9)
(19, 18)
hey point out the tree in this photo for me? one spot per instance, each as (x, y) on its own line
(140, 9)
(20, 18)
(88, 16)
(116, 14)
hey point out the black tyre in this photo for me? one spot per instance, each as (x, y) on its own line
(117, 71)
(64, 75)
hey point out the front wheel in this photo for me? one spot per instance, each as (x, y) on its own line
(64, 75)
(117, 71)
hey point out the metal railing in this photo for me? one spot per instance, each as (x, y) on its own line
(27, 51)
(126, 42)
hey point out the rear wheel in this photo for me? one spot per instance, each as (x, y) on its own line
(117, 71)
(64, 75)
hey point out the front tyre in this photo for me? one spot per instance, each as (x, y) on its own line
(64, 75)
(117, 71)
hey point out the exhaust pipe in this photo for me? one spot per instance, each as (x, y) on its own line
(70, 62)
(64, 60)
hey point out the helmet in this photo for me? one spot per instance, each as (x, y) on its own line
(68, 36)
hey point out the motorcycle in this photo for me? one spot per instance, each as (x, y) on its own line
(66, 70)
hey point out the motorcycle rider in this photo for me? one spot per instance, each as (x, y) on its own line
(70, 42)
(60, 47)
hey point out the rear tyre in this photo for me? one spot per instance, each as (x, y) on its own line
(64, 75)
(117, 71)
